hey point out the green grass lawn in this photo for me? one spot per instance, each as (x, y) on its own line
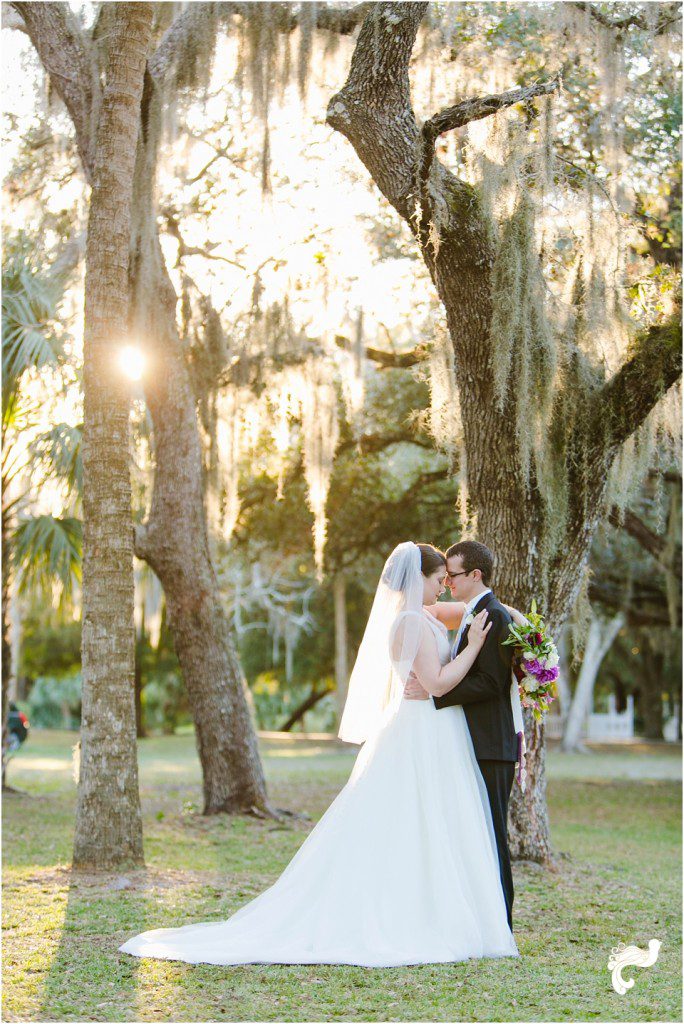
(616, 826)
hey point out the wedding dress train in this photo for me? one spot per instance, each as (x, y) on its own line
(401, 869)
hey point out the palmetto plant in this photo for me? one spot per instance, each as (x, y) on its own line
(41, 551)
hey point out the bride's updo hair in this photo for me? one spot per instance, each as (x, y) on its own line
(431, 558)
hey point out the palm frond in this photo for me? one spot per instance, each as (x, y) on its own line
(46, 550)
(58, 451)
(29, 311)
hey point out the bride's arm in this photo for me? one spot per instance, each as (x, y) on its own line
(449, 613)
(437, 679)
(517, 616)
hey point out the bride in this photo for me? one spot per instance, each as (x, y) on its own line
(402, 868)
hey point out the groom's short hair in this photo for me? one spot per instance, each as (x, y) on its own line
(474, 556)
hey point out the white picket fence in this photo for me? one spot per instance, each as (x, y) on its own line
(609, 725)
(613, 724)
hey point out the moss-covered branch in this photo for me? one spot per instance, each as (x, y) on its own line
(667, 17)
(473, 110)
(66, 54)
(653, 366)
(180, 36)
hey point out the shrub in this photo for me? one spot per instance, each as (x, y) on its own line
(55, 702)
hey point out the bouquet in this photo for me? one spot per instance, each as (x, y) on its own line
(535, 662)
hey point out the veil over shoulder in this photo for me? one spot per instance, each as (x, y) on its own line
(388, 648)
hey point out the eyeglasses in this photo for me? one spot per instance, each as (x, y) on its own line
(453, 575)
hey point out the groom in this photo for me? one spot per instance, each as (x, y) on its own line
(485, 690)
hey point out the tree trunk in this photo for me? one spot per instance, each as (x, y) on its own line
(651, 689)
(599, 641)
(6, 647)
(299, 712)
(373, 110)
(137, 687)
(108, 820)
(174, 540)
(563, 681)
(341, 666)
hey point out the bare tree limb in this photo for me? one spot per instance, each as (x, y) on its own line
(193, 250)
(653, 543)
(647, 607)
(305, 706)
(368, 443)
(218, 155)
(637, 528)
(400, 360)
(484, 106)
(669, 476)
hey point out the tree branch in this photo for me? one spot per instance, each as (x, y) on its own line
(637, 529)
(483, 106)
(367, 443)
(373, 109)
(627, 398)
(305, 706)
(386, 359)
(12, 19)
(67, 57)
(193, 250)
(653, 543)
(141, 547)
(180, 34)
(637, 20)
(461, 114)
(647, 607)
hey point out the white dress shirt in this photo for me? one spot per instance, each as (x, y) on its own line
(469, 607)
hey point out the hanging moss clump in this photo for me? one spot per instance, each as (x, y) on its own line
(523, 344)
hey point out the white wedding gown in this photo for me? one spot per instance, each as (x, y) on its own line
(401, 869)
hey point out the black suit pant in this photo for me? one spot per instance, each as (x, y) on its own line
(498, 778)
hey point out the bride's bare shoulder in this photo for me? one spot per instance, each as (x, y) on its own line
(449, 613)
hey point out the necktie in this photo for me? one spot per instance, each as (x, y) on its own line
(454, 649)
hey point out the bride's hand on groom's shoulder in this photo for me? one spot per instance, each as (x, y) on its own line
(518, 617)
(479, 628)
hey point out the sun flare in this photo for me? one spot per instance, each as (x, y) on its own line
(132, 362)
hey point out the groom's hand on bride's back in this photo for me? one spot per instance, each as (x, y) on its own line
(413, 690)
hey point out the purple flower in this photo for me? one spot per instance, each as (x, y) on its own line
(543, 675)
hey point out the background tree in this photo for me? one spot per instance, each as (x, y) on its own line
(108, 821)
(537, 497)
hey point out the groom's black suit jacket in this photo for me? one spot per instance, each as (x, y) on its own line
(485, 692)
